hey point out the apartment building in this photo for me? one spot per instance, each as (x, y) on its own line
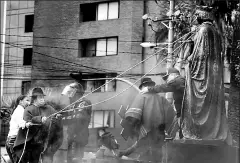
(101, 39)
(18, 51)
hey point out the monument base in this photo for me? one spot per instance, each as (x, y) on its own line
(201, 151)
(190, 151)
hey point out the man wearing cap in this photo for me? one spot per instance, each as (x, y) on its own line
(77, 119)
(36, 113)
(174, 83)
(147, 118)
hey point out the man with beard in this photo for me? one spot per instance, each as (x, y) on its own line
(77, 119)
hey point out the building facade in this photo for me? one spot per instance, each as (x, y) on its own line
(18, 51)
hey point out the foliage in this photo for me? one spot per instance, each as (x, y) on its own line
(8, 105)
(226, 20)
(235, 57)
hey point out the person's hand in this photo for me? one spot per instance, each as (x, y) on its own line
(56, 118)
(144, 90)
(44, 119)
(22, 125)
(28, 124)
(59, 116)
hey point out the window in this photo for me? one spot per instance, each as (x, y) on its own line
(98, 47)
(94, 83)
(88, 12)
(26, 85)
(102, 118)
(29, 20)
(107, 11)
(27, 56)
(99, 11)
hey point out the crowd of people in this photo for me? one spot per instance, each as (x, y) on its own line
(36, 128)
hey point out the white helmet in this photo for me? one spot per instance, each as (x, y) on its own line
(71, 89)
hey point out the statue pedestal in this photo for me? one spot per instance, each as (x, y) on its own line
(182, 151)
(191, 151)
(201, 151)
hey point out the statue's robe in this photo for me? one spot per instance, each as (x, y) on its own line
(204, 114)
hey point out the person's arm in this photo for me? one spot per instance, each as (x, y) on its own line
(18, 117)
(129, 150)
(85, 110)
(29, 117)
(167, 87)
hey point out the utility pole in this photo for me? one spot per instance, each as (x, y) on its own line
(3, 10)
(169, 95)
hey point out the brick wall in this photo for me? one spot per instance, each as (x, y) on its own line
(61, 20)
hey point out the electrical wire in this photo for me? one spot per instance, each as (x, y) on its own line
(66, 48)
(61, 38)
(68, 61)
(157, 52)
(110, 81)
(97, 69)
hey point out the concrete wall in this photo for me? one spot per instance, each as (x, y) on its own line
(63, 22)
(15, 72)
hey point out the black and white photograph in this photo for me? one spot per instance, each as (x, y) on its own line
(119, 81)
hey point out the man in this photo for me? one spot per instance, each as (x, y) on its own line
(77, 120)
(148, 117)
(36, 113)
(174, 83)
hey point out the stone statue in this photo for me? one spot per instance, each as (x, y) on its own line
(204, 114)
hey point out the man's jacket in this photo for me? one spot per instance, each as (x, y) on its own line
(39, 133)
(176, 86)
(149, 112)
(77, 120)
(149, 116)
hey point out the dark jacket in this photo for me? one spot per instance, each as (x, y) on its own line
(176, 86)
(77, 121)
(34, 114)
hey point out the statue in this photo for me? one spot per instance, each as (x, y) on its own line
(204, 114)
